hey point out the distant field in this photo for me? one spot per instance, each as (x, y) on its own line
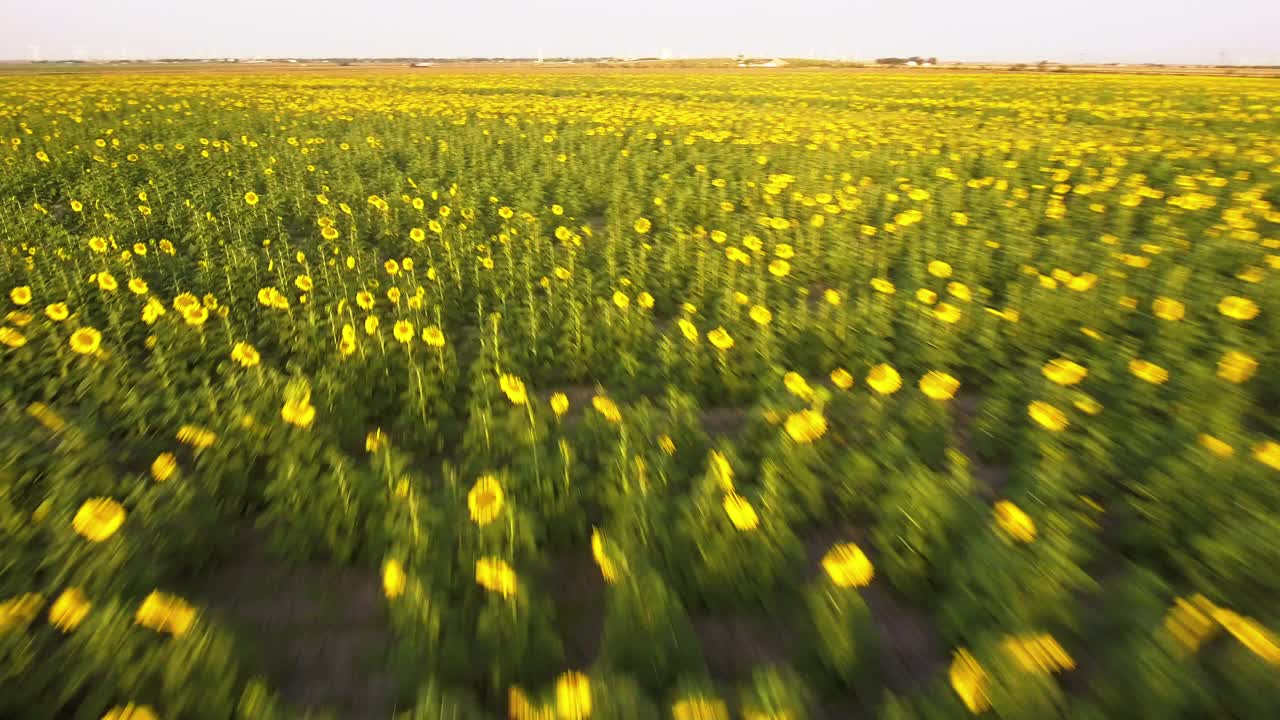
(573, 392)
(705, 66)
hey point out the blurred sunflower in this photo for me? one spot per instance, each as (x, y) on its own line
(485, 500)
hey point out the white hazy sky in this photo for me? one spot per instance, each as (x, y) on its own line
(1246, 31)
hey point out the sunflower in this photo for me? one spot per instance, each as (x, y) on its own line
(1014, 522)
(1238, 308)
(98, 519)
(721, 470)
(667, 444)
(1037, 653)
(621, 300)
(186, 301)
(1086, 404)
(688, 329)
(608, 408)
(883, 286)
(12, 338)
(196, 436)
(939, 385)
(947, 313)
(559, 403)
(1064, 372)
(841, 378)
(251, 198)
(433, 336)
(245, 354)
(806, 426)
(57, 312)
(797, 385)
(573, 696)
(1191, 622)
(760, 315)
(1260, 641)
(927, 296)
(884, 379)
(165, 614)
(1251, 274)
(1047, 416)
(152, 311)
(779, 268)
(20, 610)
(107, 282)
(848, 566)
(393, 579)
(485, 500)
(832, 297)
(163, 467)
(20, 295)
(371, 325)
(365, 300)
(740, 512)
(1148, 371)
(1168, 309)
(1267, 452)
(1081, 283)
(403, 331)
(131, 712)
(138, 286)
(699, 708)
(600, 551)
(642, 225)
(1236, 367)
(86, 341)
(495, 575)
(720, 338)
(196, 316)
(514, 389)
(1215, 446)
(939, 269)
(299, 412)
(969, 681)
(69, 610)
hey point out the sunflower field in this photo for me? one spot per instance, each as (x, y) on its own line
(610, 395)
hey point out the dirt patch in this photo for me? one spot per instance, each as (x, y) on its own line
(578, 589)
(992, 479)
(321, 632)
(911, 650)
(721, 421)
(735, 644)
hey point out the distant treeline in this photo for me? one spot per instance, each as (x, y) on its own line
(907, 60)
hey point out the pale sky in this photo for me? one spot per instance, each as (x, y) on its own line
(1239, 31)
